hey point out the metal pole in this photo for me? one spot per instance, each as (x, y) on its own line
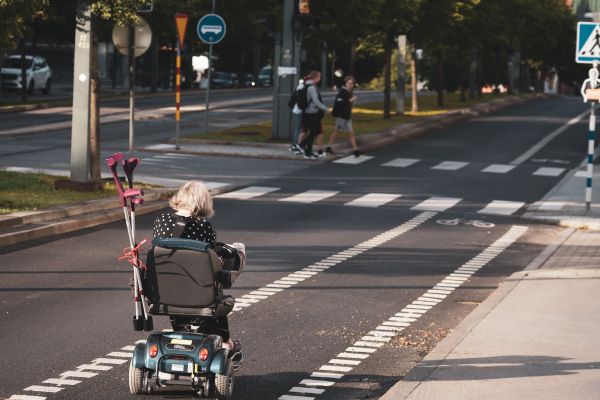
(206, 110)
(177, 95)
(209, 78)
(590, 163)
(400, 88)
(131, 57)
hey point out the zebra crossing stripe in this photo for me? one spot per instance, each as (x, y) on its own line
(500, 207)
(373, 200)
(401, 162)
(450, 165)
(350, 358)
(310, 196)
(549, 171)
(498, 168)
(43, 389)
(248, 192)
(353, 160)
(436, 204)
(25, 397)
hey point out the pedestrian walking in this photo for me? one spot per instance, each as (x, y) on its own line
(313, 114)
(296, 119)
(342, 110)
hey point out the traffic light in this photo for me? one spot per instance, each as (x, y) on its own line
(305, 23)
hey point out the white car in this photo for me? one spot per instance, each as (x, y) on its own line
(38, 74)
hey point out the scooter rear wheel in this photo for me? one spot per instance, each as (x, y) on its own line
(136, 379)
(224, 384)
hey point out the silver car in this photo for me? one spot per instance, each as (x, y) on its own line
(38, 74)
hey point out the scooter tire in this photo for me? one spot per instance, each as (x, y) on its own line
(224, 384)
(136, 379)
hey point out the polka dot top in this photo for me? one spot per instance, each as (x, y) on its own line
(196, 228)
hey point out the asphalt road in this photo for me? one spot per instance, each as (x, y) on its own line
(373, 239)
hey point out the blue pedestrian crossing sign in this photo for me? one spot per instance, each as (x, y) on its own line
(588, 42)
(211, 28)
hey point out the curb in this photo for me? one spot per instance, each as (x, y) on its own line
(427, 366)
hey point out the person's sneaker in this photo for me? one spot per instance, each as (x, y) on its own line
(292, 148)
(357, 153)
(312, 156)
(320, 153)
(329, 151)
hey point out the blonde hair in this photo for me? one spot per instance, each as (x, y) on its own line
(194, 197)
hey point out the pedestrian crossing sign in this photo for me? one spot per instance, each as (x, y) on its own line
(588, 42)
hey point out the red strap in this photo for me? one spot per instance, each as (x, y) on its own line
(131, 255)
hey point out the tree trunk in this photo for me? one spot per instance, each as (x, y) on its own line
(94, 111)
(413, 79)
(440, 83)
(387, 78)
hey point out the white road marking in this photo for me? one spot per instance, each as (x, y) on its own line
(43, 389)
(60, 382)
(310, 196)
(500, 207)
(551, 206)
(436, 204)
(498, 168)
(307, 390)
(120, 354)
(115, 361)
(77, 374)
(401, 162)
(450, 165)
(549, 171)
(373, 200)
(539, 145)
(248, 192)
(353, 160)
(25, 397)
(411, 312)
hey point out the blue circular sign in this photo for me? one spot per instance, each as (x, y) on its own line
(211, 28)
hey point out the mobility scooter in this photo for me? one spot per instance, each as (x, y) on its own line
(184, 280)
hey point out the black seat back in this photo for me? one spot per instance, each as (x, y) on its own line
(182, 274)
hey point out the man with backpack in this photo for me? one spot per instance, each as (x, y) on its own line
(310, 101)
(342, 110)
(296, 118)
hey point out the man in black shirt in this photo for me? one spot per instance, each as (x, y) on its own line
(342, 110)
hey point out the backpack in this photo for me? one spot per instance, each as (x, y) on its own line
(335, 111)
(293, 99)
(302, 98)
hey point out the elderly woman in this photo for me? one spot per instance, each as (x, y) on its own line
(192, 206)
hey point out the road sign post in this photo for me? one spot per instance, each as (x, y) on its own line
(211, 30)
(588, 52)
(181, 21)
(132, 41)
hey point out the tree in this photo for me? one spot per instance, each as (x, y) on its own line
(17, 17)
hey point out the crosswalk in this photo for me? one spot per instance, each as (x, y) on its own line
(447, 165)
(371, 200)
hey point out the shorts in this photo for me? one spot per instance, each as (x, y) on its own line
(342, 124)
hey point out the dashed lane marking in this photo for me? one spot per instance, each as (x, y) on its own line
(263, 293)
(347, 360)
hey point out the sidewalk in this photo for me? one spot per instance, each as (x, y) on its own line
(536, 337)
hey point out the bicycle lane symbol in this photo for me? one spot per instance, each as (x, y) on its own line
(460, 221)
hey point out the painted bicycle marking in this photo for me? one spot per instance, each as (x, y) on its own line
(473, 222)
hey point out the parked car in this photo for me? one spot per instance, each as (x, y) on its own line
(265, 77)
(223, 80)
(38, 74)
